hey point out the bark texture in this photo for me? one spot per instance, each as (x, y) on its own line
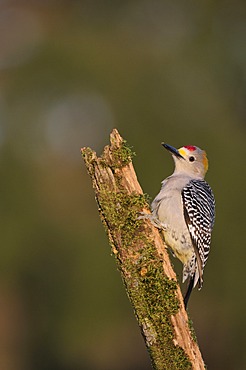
(142, 259)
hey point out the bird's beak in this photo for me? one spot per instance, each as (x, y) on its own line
(172, 150)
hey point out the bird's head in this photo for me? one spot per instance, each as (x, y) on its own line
(189, 159)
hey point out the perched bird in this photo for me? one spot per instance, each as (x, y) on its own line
(185, 210)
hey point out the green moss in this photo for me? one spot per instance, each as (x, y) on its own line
(121, 211)
(122, 155)
(191, 327)
(152, 294)
(158, 292)
(88, 154)
(89, 157)
(150, 291)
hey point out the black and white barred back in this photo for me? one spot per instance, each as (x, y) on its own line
(199, 212)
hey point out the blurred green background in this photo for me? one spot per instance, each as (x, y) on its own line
(71, 71)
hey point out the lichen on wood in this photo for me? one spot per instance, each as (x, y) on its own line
(142, 258)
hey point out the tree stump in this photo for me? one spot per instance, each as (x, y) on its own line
(142, 259)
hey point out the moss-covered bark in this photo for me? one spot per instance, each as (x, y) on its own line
(141, 258)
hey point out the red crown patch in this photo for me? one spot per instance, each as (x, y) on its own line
(191, 148)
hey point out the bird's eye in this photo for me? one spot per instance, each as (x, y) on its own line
(191, 159)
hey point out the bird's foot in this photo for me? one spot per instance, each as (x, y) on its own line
(154, 220)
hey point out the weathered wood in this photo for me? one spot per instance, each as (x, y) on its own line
(142, 259)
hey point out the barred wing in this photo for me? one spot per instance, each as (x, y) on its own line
(199, 212)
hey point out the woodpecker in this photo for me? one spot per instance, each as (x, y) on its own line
(184, 210)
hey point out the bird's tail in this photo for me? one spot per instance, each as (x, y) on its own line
(194, 279)
(189, 290)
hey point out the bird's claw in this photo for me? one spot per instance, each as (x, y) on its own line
(154, 220)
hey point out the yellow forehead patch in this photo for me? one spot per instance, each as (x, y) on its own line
(182, 152)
